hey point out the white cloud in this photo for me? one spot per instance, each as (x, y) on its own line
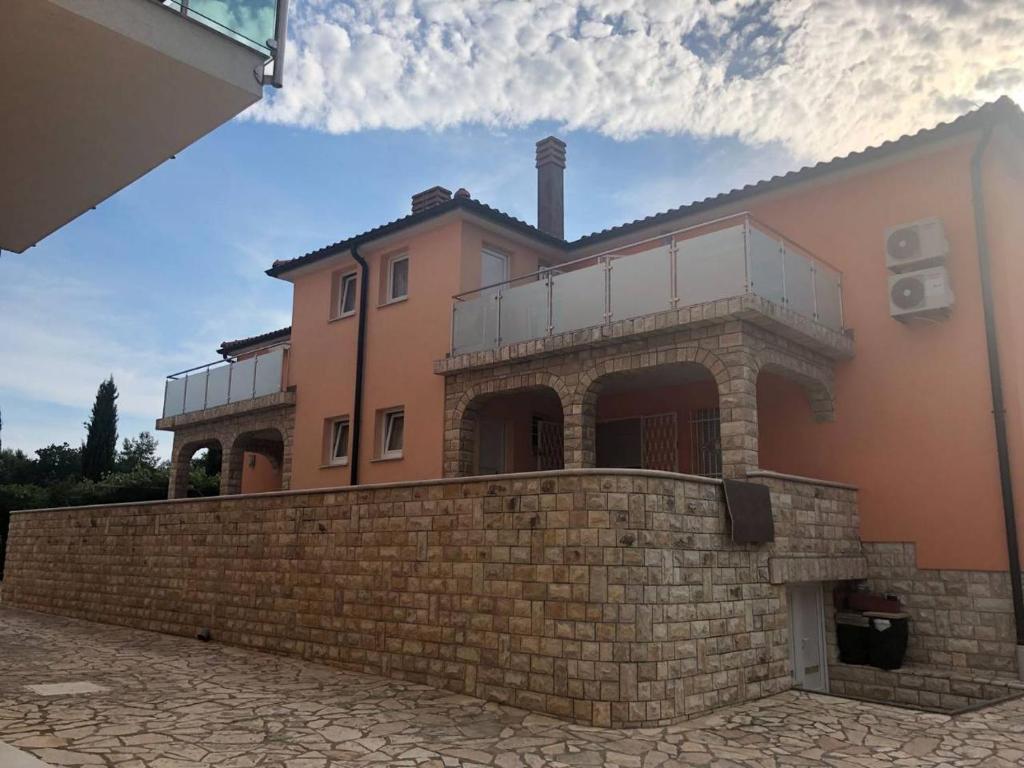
(819, 77)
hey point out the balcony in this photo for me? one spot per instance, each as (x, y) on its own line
(223, 383)
(100, 92)
(734, 257)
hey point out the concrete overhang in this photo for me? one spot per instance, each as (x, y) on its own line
(97, 93)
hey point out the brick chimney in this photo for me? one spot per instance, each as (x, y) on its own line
(550, 187)
(428, 198)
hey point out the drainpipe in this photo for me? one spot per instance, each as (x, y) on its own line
(357, 404)
(998, 406)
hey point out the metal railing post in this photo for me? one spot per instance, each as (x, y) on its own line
(814, 290)
(673, 271)
(551, 303)
(746, 256)
(497, 322)
(607, 289)
(785, 278)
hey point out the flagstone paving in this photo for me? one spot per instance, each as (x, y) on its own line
(144, 700)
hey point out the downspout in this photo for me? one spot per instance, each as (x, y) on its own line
(998, 406)
(357, 400)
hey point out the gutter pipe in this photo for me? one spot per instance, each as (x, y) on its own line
(998, 405)
(357, 404)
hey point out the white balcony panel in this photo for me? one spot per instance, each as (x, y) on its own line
(195, 391)
(475, 324)
(767, 278)
(217, 386)
(828, 288)
(242, 375)
(268, 372)
(799, 282)
(641, 283)
(711, 267)
(524, 312)
(174, 397)
(578, 299)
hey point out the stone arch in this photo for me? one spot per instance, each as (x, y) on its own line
(181, 463)
(734, 371)
(818, 381)
(460, 420)
(267, 441)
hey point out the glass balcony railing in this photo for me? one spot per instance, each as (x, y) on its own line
(225, 381)
(251, 22)
(730, 257)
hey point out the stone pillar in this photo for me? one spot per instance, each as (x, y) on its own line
(580, 436)
(737, 402)
(181, 458)
(231, 467)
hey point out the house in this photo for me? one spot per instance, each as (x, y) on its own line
(504, 451)
(97, 94)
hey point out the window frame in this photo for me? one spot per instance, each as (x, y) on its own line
(389, 297)
(344, 280)
(342, 423)
(388, 418)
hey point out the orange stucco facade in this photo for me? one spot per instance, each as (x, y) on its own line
(913, 425)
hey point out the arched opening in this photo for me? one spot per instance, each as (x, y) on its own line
(196, 470)
(515, 431)
(664, 417)
(256, 464)
(790, 437)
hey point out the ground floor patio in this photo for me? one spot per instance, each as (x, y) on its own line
(147, 700)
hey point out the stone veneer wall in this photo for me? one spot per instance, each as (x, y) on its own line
(577, 365)
(608, 597)
(230, 427)
(958, 619)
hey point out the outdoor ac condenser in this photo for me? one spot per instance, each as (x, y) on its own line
(923, 293)
(916, 245)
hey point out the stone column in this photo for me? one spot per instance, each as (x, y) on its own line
(737, 402)
(181, 458)
(231, 466)
(580, 436)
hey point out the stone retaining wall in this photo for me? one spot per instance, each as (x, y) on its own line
(608, 597)
(958, 619)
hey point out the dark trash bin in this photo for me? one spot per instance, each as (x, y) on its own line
(887, 639)
(852, 637)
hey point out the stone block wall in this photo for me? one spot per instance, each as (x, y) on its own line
(607, 597)
(235, 428)
(959, 619)
(576, 367)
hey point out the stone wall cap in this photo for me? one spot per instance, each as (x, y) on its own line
(475, 479)
(770, 475)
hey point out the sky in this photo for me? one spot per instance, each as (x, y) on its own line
(661, 102)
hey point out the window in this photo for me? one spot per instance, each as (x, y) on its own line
(493, 268)
(398, 278)
(339, 442)
(392, 434)
(346, 295)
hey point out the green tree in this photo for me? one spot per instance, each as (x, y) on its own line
(100, 450)
(56, 463)
(139, 453)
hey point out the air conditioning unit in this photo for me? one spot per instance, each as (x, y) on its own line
(923, 293)
(916, 245)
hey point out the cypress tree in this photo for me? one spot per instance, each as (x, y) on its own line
(100, 450)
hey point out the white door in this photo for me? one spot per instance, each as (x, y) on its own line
(493, 268)
(491, 454)
(807, 637)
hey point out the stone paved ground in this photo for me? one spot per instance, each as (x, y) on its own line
(173, 702)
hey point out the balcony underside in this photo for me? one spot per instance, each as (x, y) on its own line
(97, 94)
(750, 308)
